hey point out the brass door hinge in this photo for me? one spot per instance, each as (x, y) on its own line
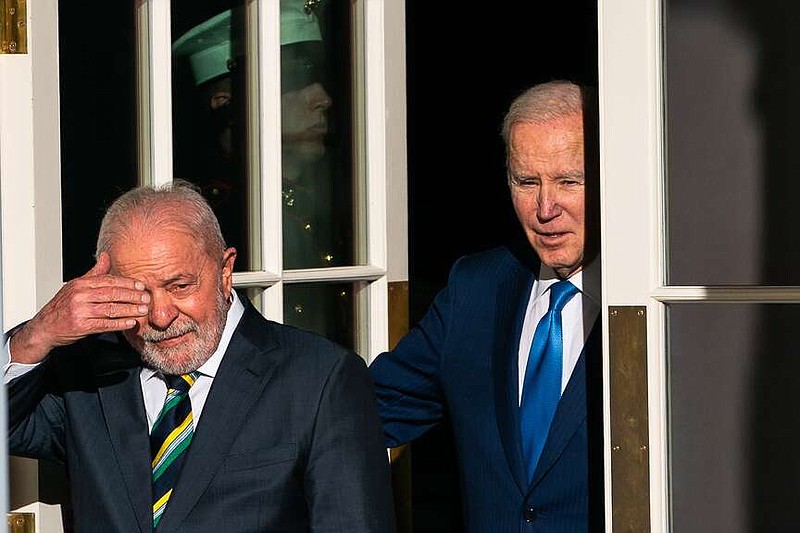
(13, 27)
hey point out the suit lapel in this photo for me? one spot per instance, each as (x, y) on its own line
(571, 411)
(512, 300)
(124, 412)
(240, 380)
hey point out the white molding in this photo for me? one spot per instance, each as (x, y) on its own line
(631, 124)
(254, 279)
(727, 294)
(345, 273)
(270, 154)
(378, 319)
(376, 123)
(375, 116)
(30, 168)
(160, 77)
(308, 275)
(30, 191)
(17, 188)
(395, 139)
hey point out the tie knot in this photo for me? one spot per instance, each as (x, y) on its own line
(181, 383)
(560, 294)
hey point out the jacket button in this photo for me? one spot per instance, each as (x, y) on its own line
(529, 514)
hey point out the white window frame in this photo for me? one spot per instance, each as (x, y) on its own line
(373, 46)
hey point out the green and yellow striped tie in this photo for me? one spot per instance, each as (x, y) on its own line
(170, 439)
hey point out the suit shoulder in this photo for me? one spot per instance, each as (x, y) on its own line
(296, 351)
(307, 347)
(491, 262)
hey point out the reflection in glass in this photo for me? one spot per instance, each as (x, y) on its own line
(316, 106)
(210, 112)
(325, 308)
(731, 142)
(733, 422)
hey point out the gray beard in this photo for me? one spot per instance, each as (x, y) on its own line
(187, 357)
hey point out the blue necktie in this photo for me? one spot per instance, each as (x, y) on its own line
(541, 389)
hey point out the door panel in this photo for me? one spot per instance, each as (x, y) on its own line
(699, 226)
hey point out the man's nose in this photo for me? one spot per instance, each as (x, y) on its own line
(549, 206)
(318, 97)
(163, 311)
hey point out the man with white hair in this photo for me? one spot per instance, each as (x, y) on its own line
(176, 406)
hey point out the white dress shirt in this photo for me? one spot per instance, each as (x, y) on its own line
(577, 319)
(154, 388)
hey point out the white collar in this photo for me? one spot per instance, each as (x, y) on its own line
(547, 278)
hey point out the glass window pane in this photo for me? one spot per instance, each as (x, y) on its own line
(211, 108)
(317, 133)
(733, 420)
(731, 73)
(98, 120)
(329, 309)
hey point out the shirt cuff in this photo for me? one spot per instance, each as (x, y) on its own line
(11, 371)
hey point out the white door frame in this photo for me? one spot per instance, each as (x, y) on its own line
(30, 190)
(632, 229)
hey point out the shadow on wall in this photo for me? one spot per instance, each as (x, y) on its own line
(732, 75)
(775, 464)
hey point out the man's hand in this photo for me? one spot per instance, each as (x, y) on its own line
(96, 302)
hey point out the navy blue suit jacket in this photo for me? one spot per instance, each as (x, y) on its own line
(289, 439)
(460, 363)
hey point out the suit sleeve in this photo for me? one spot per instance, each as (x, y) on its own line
(36, 415)
(348, 484)
(407, 380)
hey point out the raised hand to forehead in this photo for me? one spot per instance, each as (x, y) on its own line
(96, 302)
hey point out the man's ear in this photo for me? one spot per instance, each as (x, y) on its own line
(228, 259)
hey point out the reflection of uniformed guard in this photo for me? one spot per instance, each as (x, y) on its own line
(317, 210)
(316, 223)
(210, 147)
(309, 221)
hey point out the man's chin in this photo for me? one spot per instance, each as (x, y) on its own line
(171, 367)
(305, 150)
(562, 264)
(172, 362)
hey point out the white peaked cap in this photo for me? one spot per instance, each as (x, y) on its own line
(208, 48)
(298, 22)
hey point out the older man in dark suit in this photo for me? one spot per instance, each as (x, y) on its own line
(176, 406)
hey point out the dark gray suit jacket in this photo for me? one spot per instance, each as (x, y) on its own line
(289, 439)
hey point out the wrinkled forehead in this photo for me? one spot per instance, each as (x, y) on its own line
(157, 255)
(160, 226)
(555, 134)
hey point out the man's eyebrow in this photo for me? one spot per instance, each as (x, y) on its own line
(180, 277)
(574, 174)
(524, 175)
